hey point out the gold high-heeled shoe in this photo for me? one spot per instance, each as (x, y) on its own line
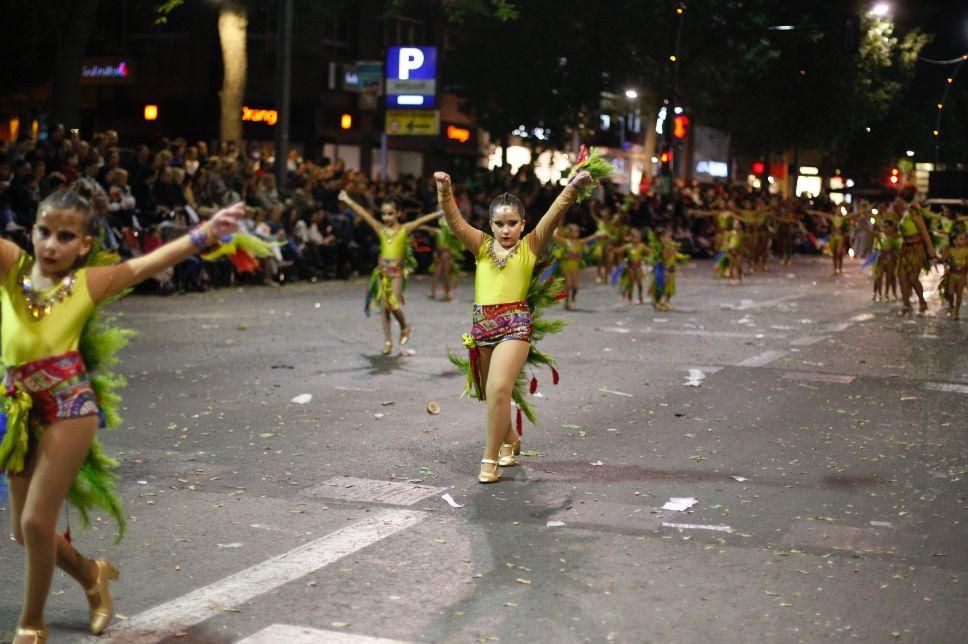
(387, 348)
(489, 477)
(507, 453)
(404, 335)
(39, 634)
(101, 616)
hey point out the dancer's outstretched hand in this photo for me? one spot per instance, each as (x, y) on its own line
(443, 181)
(226, 220)
(582, 179)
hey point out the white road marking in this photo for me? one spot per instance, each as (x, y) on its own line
(697, 526)
(304, 635)
(705, 369)
(838, 328)
(701, 333)
(347, 488)
(863, 317)
(808, 340)
(762, 359)
(946, 386)
(817, 377)
(746, 305)
(162, 622)
(612, 391)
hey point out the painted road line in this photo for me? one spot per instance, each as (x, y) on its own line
(701, 333)
(762, 359)
(347, 488)
(863, 317)
(162, 622)
(697, 526)
(616, 393)
(808, 376)
(746, 305)
(615, 329)
(808, 340)
(705, 369)
(946, 386)
(838, 328)
(278, 633)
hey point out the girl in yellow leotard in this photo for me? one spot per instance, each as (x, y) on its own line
(502, 330)
(571, 258)
(636, 252)
(388, 278)
(48, 446)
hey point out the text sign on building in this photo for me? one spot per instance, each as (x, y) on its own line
(413, 122)
(106, 71)
(411, 77)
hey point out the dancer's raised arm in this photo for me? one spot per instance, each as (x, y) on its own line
(471, 237)
(420, 221)
(105, 281)
(9, 254)
(543, 232)
(361, 211)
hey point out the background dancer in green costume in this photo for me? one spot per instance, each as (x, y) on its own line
(389, 277)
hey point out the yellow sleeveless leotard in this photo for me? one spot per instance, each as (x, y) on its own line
(23, 339)
(393, 246)
(494, 285)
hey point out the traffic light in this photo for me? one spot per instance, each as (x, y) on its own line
(346, 121)
(665, 161)
(758, 168)
(680, 126)
(895, 176)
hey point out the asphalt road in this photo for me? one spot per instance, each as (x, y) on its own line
(825, 447)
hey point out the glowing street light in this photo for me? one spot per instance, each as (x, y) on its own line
(880, 9)
(631, 94)
(910, 153)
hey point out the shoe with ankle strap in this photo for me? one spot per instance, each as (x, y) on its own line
(489, 477)
(101, 616)
(507, 453)
(39, 634)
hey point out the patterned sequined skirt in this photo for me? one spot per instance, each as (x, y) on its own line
(58, 387)
(495, 323)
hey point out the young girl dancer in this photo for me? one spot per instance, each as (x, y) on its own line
(388, 280)
(49, 449)
(839, 233)
(636, 252)
(503, 323)
(572, 248)
(665, 258)
(917, 251)
(955, 258)
(447, 251)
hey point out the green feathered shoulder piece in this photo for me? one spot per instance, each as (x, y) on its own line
(594, 163)
(101, 341)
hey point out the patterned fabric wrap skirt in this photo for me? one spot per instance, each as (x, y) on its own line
(913, 258)
(495, 323)
(58, 387)
(391, 267)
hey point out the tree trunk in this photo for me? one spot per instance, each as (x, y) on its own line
(72, 42)
(233, 23)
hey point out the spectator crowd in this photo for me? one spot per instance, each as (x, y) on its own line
(146, 194)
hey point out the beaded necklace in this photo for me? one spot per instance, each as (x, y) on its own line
(501, 261)
(37, 305)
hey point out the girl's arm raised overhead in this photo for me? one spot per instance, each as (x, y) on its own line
(551, 219)
(105, 281)
(420, 221)
(471, 237)
(360, 210)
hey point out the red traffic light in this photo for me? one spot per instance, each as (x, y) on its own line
(665, 157)
(894, 178)
(759, 167)
(680, 126)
